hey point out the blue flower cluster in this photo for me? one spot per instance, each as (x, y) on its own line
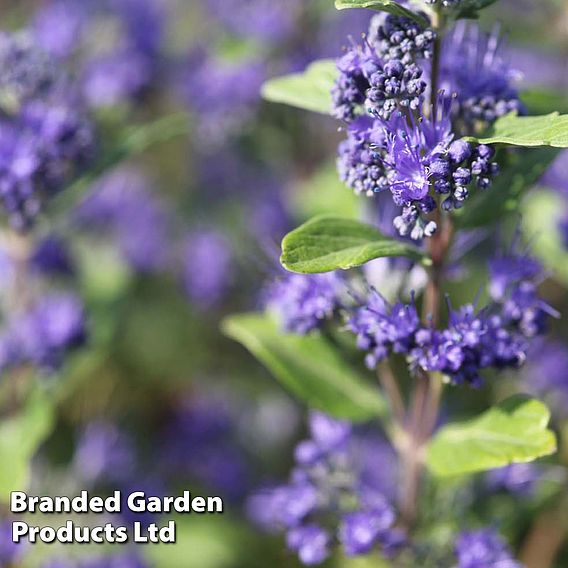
(304, 303)
(497, 336)
(43, 335)
(483, 548)
(329, 486)
(483, 81)
(383, 74)
(410, 157)
(45, 134)
(419, 158)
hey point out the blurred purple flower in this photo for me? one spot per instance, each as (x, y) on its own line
(122, 204)
(52, 257)
(265, 20)
(200, 443)
(519, 478)
(483, 548)
(311, 542)
(478, 71)
(222, 94)
(104, 453)
(207, 266)
(116, 77)
(338, 479)
(10, 552)
(45, 334)
(58, 25)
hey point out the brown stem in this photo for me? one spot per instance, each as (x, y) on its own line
(544, 540)
(428, 386)
(390, 386)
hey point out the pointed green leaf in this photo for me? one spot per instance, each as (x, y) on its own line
(529, 131)
(20, 437)
(328, 243)
(514, 431)
(390, 6)
(308, 366)
(310, 90)
(519, 172)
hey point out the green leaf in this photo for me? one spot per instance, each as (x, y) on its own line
(310, 90)
(390, 6)
(308, 366)
(542, 212)
(328, 243)
(529, 131)
(520, 172)
(514, 431)
(20, 437)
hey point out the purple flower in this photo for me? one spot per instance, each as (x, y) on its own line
(121, 205)
(45, 134)
(208, 267)
(223, 95)
(200, 443)
(383, 74)
(57, 27)
(381, 327)
(400, 39)
(360, 163)
(265, 20)
(474, 69)
(52, 257)
(103, 453)
(116, 77)
(519, 478)
(509, 268)
(303, 303)
(328, 433)
(27, 72)
(338, 480)
(45, 334)
(483, 548)
(10, 552)
(311, 542)
(360, 531)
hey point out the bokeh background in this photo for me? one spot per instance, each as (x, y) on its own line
(162, 240)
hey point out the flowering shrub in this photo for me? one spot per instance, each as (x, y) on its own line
(149, 189)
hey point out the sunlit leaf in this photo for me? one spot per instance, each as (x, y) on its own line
(514, 431)
(328, 243)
